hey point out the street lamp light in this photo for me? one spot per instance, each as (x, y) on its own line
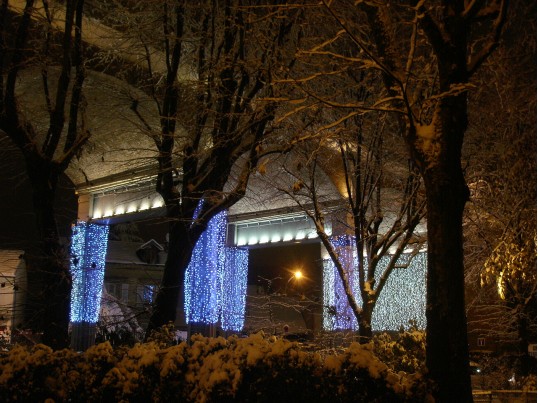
(297, 275)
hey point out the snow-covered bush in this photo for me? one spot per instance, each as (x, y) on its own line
(405, 351)
(37, 373)
(497, 372)
(165, 336)
(205, 370)
(275, 369)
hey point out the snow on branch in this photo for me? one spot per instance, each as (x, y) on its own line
(476, 61)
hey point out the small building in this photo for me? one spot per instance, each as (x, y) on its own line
(133, 273)
(12, 292)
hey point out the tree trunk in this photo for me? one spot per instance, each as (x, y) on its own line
(447, 349)
(49, 277)
(524, 360)
(171, 292)
(365, 322)
(447, 354)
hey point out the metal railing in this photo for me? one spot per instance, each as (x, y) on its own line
(504, 396)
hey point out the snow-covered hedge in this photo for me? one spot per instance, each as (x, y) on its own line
(255, 369)
(405, 351)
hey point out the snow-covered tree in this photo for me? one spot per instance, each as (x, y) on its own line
(45, 40)
(209, 67)
(500, 225)
(118, 323)
(427, 53)
(378, 208)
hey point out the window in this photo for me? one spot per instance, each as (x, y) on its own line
(144, 294)
(111, 289)
(481, 342)
(124, 293)
(118, 290)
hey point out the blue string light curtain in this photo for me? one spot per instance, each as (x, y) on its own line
(216, 279)
(88, 251)
(402, 300)
(234, 289)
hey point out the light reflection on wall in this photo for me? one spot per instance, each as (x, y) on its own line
(287, 228)
(121, 202)
(403, 298)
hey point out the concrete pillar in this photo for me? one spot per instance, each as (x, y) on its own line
(84, 207)
(83, 335)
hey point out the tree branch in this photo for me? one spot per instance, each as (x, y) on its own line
(76, 95)
(20, 136)
(478, 59)
(434, 31)
(57, 118)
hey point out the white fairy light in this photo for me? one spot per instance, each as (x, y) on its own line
(234, 289)
(88, 251)
(403, 298)
(216, 279)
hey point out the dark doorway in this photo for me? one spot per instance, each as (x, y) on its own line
(277, 265)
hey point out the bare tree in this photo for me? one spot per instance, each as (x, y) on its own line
(426, 53)
(379, 205)
(500, 221)
(209, 67)
(454, 46)
(46, 41)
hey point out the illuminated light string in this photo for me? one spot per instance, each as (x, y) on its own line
(402, 300)
(338, 314)
(87, 266)
(234, 289)
(329, 295)
(215, 280)
(202, 296)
